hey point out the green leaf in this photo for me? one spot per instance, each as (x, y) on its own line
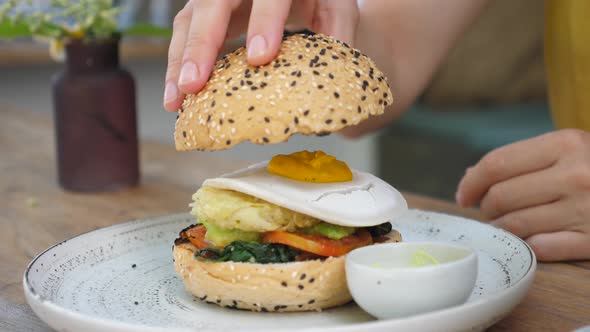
(250, 252)
(10, 30)
(147, 30)
(380, 230)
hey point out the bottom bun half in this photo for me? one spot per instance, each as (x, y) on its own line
(298, 286)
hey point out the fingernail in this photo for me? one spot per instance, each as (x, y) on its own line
(256, 47)
(188, 74)
(170, 92)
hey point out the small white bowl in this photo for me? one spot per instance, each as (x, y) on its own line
(384, 283)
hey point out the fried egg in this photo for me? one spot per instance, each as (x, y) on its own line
(364, 201)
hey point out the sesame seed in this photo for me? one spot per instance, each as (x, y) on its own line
(311, 280)
(265, 139)
(315, 72)
(358, 109)
(228, 94)
(331, 76)
(231, 120)
(184, 134)
(302, 276)
(284, 283)
(300, 287)
(234, 88)
(228, 142)
(286, 130)
(293, 83)
(323, 51)
(336, 94)
(299, 56)
(266, 119)
(344, 121)
(363, 98)
(307, 45)
(254, 88)
(306, 112)
(213, 103)
(328, 121)
(311, 302)
(294, 274)
(296, 119)
(320, 86)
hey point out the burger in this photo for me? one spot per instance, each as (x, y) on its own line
(273, 236)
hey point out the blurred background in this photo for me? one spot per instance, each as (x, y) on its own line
(483, 97)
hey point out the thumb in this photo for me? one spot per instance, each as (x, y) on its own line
(337, 18)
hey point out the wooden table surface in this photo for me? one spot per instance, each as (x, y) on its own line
(558, 301)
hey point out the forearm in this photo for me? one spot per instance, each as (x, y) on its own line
(408, 39)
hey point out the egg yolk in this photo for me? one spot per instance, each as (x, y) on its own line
(308, 166)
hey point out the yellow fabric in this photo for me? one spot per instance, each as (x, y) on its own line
(567, 58)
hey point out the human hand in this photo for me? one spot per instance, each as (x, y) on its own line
(201, 27)
(538, 189)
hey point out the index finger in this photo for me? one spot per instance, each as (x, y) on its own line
(512, 160)
(265, 30)
(205, 37)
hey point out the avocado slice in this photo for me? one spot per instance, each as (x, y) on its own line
(331, 231)
(221, 237)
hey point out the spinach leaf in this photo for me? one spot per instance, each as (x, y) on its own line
(250, 252)
(380, 230)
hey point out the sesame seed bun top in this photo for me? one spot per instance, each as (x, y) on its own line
(316, 85)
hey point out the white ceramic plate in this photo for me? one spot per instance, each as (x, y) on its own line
(121, 278)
